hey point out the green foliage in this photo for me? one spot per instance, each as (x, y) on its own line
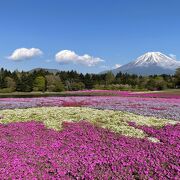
(10, 83)
(6, 90)
(177, 77)
(54, 83)
(77, 86)
(109, 78)
(88, 81)
(114, 87)
(39, 84)
(157, 83)
(24, 82)
(42, 80)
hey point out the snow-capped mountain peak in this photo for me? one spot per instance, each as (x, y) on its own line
(150, 63)
(154, 58)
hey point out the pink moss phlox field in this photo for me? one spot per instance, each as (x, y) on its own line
(83, 151)
(158, 107)
(128, 93)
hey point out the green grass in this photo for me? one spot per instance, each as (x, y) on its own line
(37, 94)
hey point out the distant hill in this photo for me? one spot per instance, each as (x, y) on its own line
(49, 70)
(150, 63)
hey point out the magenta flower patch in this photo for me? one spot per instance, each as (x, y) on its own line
(167, 108)
(82, 151)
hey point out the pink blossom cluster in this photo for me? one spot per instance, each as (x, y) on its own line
(158, 107)
(84, 151)
(128, 93)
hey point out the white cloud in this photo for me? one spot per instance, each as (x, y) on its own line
(116, 66)
(172, 56)
(24, 53)
(67, 57)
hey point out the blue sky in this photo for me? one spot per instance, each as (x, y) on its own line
(109, 31)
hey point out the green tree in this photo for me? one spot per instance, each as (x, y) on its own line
(24, 82)
(156, 83)
(77, 86)
(177, 77)
(10, 83)
(109, 78)
(88, 81)
(39, 84)
(54, 83)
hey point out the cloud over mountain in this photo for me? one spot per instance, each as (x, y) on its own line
(116, 66)
(68, 56)
(25, 53)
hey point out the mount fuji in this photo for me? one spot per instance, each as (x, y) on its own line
(150, 63)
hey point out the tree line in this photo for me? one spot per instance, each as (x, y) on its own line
(42, 80)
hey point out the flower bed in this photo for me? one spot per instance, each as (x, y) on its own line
(53, 117)
(84, 151)
(146, 94)
(158, 107)
(98, 137)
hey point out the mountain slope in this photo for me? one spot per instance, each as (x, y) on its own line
(49, 70)
(149, 64)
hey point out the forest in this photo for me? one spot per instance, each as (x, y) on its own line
(42, 80)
